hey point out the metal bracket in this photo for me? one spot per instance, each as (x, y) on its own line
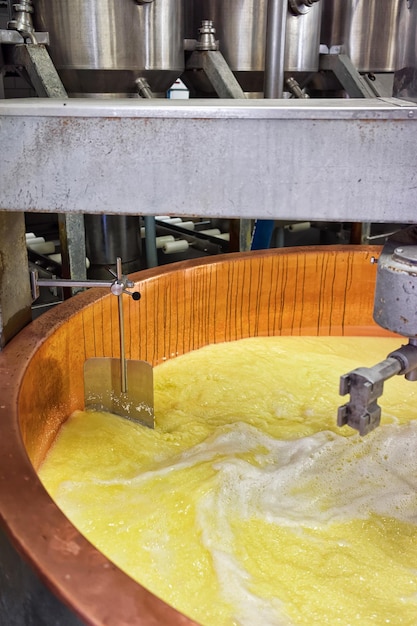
(347, 75)
(13, 37)
(213, 64)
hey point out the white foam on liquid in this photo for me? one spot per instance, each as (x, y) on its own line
(309, 482)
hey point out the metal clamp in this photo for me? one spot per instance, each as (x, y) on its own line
(119, 285)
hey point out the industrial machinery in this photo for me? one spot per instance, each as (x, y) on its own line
(365, 36)
(137, 50)
(405, 81)
(110, 48)
(394, 307)
(106, 50)
(286, 156)
(395, 310)
(367, 32)
(242, 30)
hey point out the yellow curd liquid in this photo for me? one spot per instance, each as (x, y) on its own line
(247, 505)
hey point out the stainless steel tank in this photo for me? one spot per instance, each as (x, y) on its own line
(367, 30)
(110, 236)
(103, 46)
(405, 77)
(241, 29)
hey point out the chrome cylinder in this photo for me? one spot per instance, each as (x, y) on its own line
(367, 30)
(275, 49)
(302, 40)
(333, 21)
(103, 46)
(241, 30)
(109, 237)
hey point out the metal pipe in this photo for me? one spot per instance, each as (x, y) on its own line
(276, 21)
(150, 241)
(9, 10)
(123, 369)
(143, 88)
(275, 48)
(69, 282)
(295, 88)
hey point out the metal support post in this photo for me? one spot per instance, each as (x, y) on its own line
(15, 296)
(2, 72)
(72, 239)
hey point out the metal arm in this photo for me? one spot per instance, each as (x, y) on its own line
(365, 385)
(117, 286)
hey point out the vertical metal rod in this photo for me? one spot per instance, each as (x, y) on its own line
(123, 370)
(276, 23)
(276, 26)
(150, 241)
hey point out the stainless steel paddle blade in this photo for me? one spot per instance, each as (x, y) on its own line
(103, 388)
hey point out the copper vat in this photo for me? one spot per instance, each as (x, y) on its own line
(46, 565)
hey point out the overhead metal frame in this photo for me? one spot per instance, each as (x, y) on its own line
(337, 160)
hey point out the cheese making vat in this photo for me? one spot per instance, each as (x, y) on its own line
(49, 573)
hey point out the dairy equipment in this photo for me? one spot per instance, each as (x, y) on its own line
(231, 149)
(337, 160)
(105, 47)
(394, 307)
(395, 310)
(405, 78)
(242, 27)
(185, 306)
(108, 236)
(367, 30)
(362, 37)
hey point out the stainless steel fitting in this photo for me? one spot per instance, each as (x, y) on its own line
(298, 7)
